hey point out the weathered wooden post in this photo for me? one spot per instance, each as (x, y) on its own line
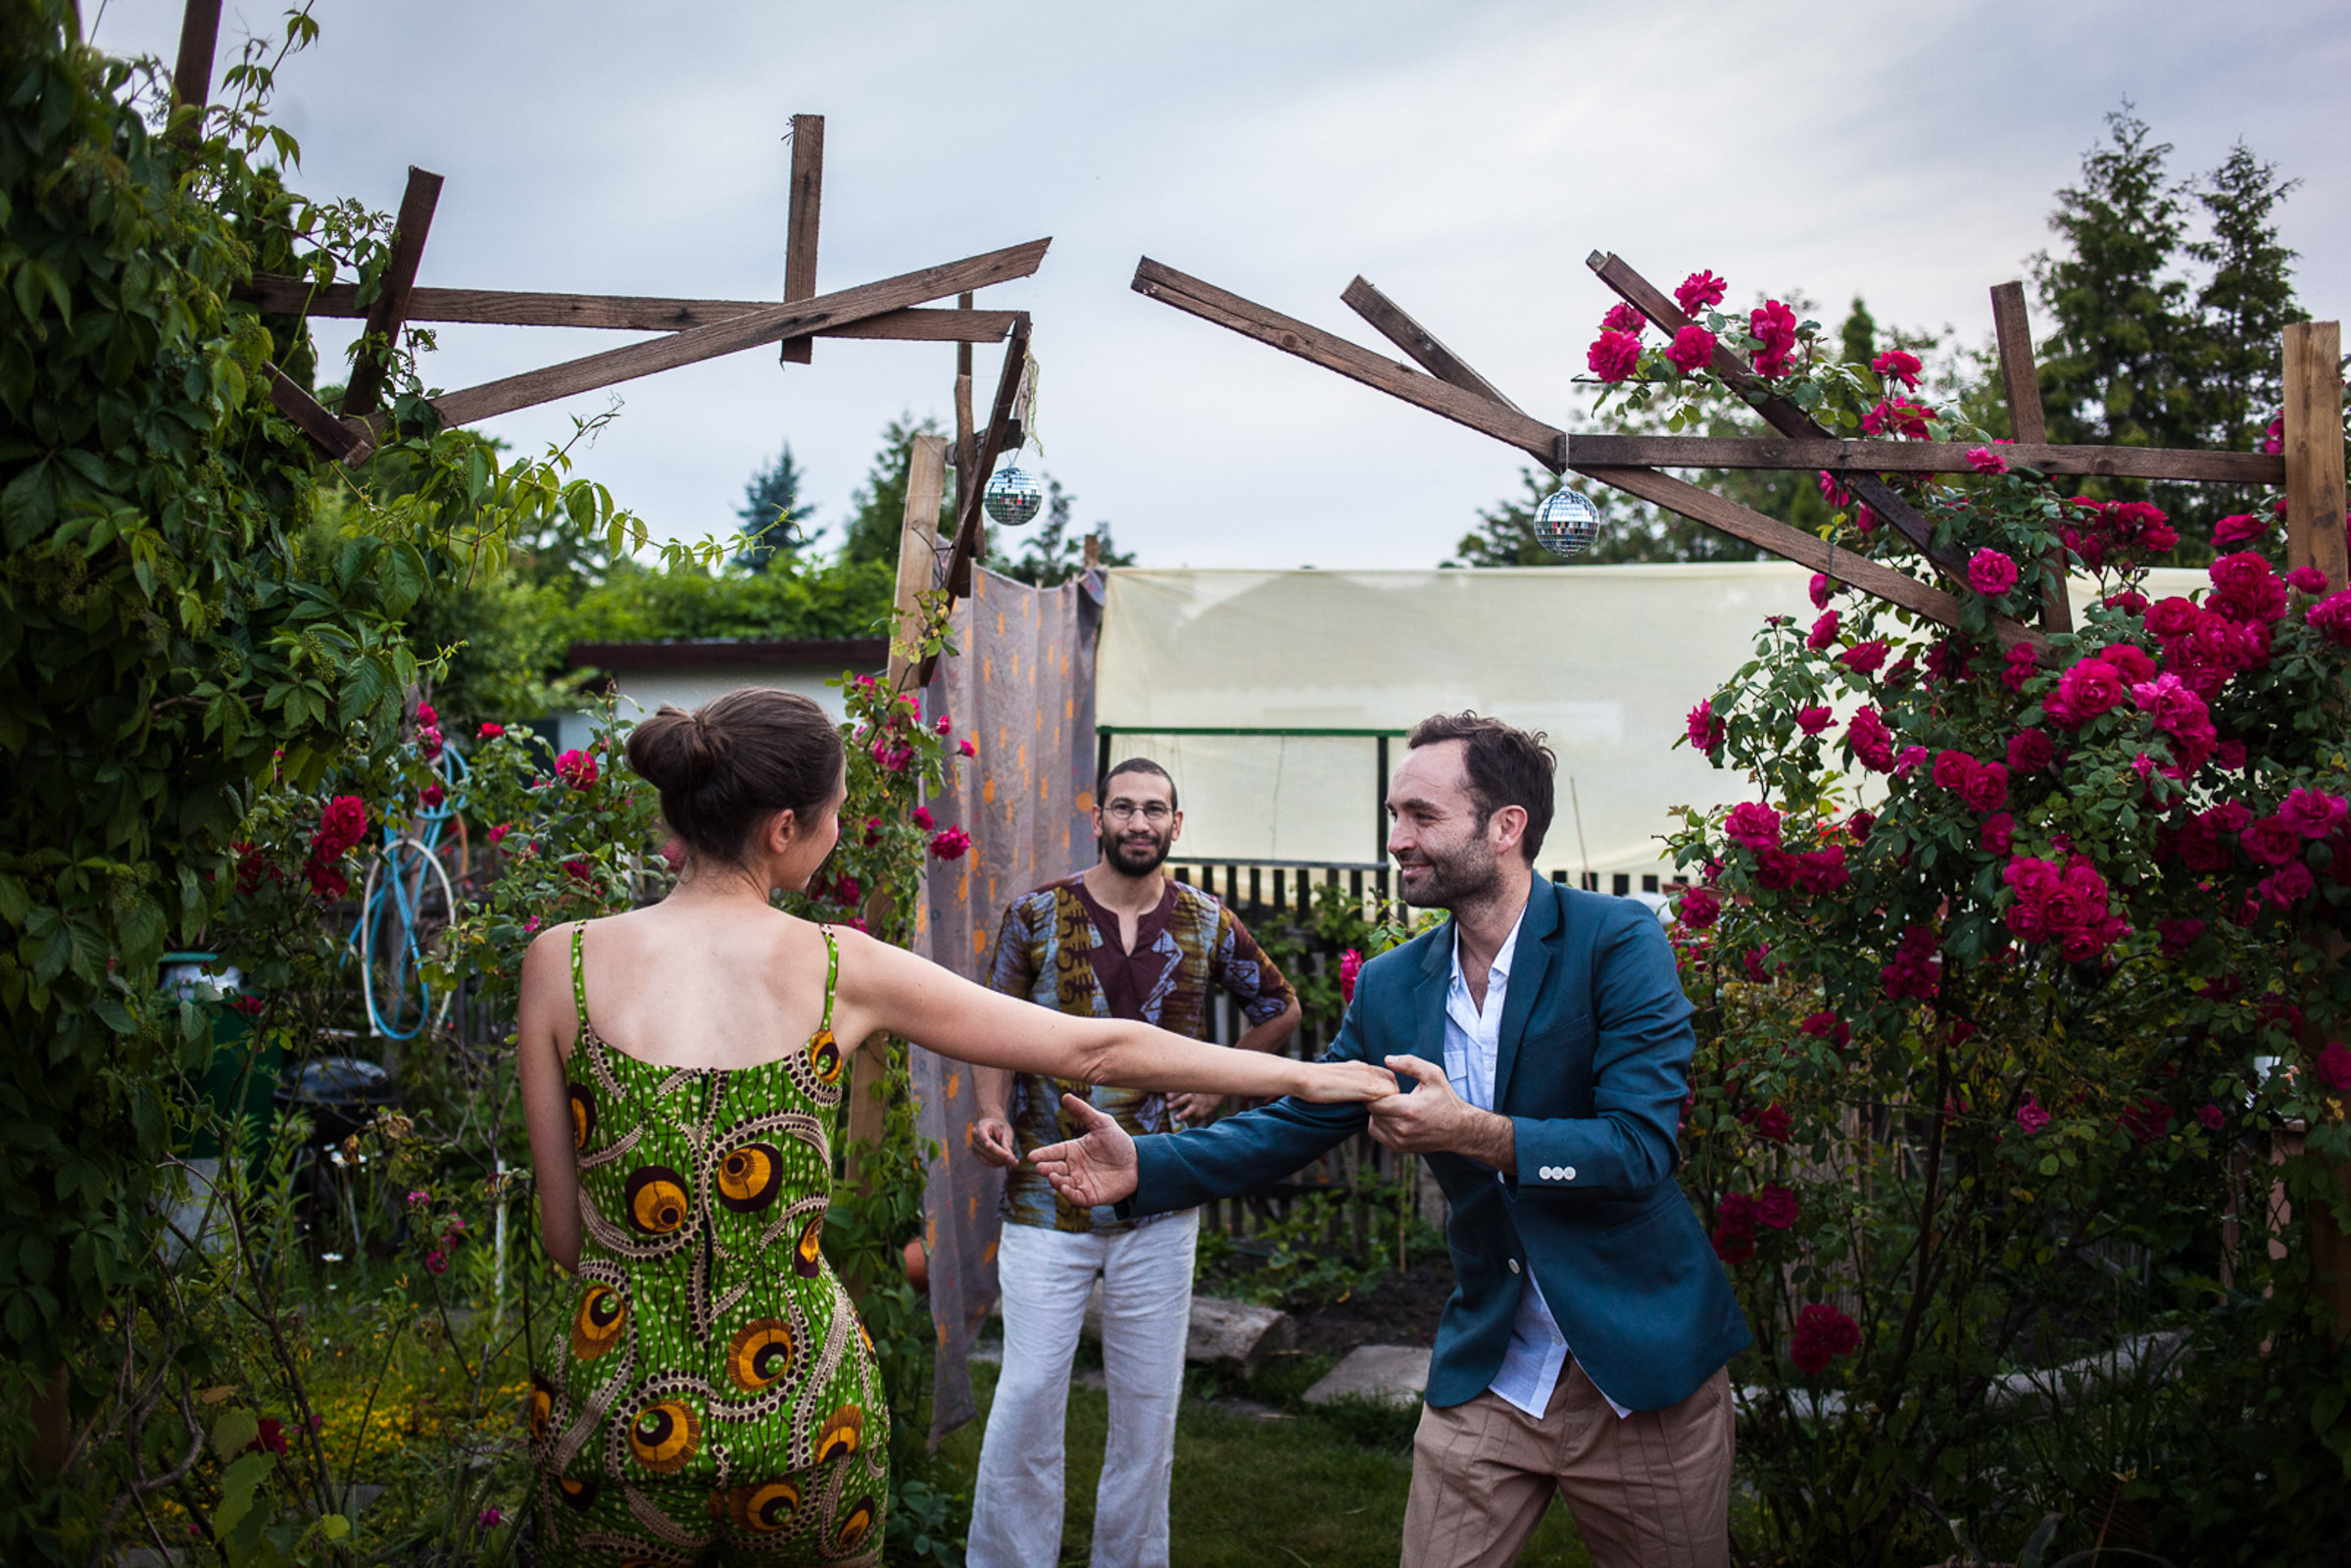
(2314, 520)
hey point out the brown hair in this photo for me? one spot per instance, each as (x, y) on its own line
(735, 759)
(1506, 767)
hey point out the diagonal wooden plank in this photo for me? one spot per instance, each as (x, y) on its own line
(337, 438)
(1873, 577)
(2014, 330)
(384, 319)
(800, 230)
(1781, 415)
(968, 540)
(1920, 457)
(768, 324)
(1398, 328)
(1332, 353)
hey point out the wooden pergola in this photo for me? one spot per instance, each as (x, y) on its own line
(2311, 469)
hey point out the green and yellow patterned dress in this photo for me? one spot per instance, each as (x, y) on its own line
(715, 1398)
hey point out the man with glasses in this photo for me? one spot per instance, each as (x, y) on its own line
(1118, 940)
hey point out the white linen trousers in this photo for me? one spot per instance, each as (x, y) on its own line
(1046, 1277)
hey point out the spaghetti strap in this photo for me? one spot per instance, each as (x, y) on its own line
(832, 973)
(579, 980)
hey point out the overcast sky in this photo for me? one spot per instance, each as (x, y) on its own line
(1464, 156)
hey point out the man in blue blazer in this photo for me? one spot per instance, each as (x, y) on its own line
(1541, 1044)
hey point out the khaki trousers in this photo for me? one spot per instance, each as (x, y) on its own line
(1651, 1488)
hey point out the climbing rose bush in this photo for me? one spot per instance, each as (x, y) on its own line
(2015, 975)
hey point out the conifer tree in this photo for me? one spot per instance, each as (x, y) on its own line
(2247, 300)
(770, 513)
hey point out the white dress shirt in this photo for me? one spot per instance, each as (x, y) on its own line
(1473, 1036)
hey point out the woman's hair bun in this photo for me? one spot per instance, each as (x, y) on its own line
(735, 759)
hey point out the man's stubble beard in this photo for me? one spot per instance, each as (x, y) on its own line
(1115, 851)
(1455, 879)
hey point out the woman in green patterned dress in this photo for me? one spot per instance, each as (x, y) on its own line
(709, 1396)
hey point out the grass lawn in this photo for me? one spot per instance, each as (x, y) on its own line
(1323, 1490)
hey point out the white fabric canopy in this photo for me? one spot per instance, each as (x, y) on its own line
(1606, 659)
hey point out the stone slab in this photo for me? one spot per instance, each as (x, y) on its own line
(1392, 1374)
(1235, 1335)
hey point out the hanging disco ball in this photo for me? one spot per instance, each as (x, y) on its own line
(1013, 497)
(1566, 522)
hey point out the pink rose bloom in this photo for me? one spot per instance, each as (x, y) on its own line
(1773, 1123)
(922, 818)
(1911, 757)
(490, 732)
(2178, 935)
(2085, 691)
(2129, 601)
(1833, 492)
(1700, 290)
(1952, 768)
(2237, 529)
(2333, 1067)
(490, 1519)
(1865, 520)
(2289, 884)
(500, 831)
(425, 717)
(1733, 1243)
(950, 845)
(2306, 580)
(2271, 840)
(2313, 813)
(2212, 1117)
(2023, 662)
(1776, 1206)
(436, 1262)
(2331, 616)
(1692, 349)
(1822, 1334)
(2031, 1117)
(576, 768)
(431, 796)
(1824, 631)
(1986, 461)
(1753, 825)
(2000, 832)
(965, 747)
(577, 871)
(1812, 721)
(1624, 318)
(1863, 659)
(1985, 789)
(1895, 364)
(2174, 707)
(429, 742)
(1350, 967)
(1822, 870)
(1706, 731)
(1774, 328)
(1899, 415)
(1872, 741)
(2028, 752)
(1699, 908)
(1827, 1026)
(1613, 355)
(1820, 589)
(945, 725)
(1990, 572)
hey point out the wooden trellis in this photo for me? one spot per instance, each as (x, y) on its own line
(2311, 469)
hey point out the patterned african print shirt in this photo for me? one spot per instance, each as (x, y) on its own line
(1060, 948)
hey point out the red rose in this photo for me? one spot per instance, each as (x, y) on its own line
(2333, 1067)
(1822, 1334)
(1700, 290)
(1699, 908)
(1706, 731)
(1987, 788)
(2313, 813)
(1624, 318)
(1824, 632)
(1897, 365)
(1872, 741)
(950, 845)
(1613, 355)
(1350, 968)
(1864, 657)
(490, 732)
(1952, 768)
(1773, 1123)
(2028, 752)
(1774, 328)
(2273, 841)
(1692, 349)
(1733, 1245)
(576, 768)
(1776, 1206)
(2000, 832)
(2237, 529)
(1753, 825)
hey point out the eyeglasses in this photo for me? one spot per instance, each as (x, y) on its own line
(1155, 812)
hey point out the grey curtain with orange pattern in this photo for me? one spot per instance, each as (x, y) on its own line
(1021, 689)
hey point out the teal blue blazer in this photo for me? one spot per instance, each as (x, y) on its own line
(1593, 1069)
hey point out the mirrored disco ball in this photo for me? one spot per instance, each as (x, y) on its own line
(1566, 522)
(1013, 497)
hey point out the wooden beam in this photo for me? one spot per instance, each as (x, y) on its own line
(1781, 415)
(2314, 452)
(282, 295)
(800, 233)
(1795, 544)
(2026, 423)
(1919, 457)
(970, 532)
(1317, 347)
(768, 324)
(918, 547)
(966, 448)
(198, 41)
(339, 440)
(390, 309)
(1392, 323)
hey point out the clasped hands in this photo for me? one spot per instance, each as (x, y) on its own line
(1098, 1165)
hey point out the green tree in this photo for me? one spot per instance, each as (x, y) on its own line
(1859, 334)
(830, 597)
(2119, 366)
(2248, 299)
(1052, 554)
(879, 514)
(770, 513)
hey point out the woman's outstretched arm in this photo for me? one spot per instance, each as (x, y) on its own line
(885, 989)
